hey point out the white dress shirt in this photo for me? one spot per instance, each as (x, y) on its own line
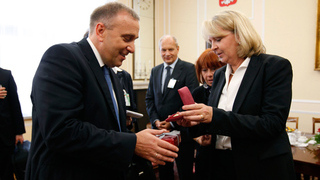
(228, 96)
(164, 72)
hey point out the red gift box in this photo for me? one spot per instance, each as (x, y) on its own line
(186, 95)
(173, 117)
(172, 137)
(186, 98)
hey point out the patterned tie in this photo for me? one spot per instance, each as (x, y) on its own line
(166, 81)
(108, 79)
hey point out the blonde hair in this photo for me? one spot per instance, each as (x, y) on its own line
(250, 43)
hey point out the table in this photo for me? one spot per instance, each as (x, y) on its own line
(307, 160)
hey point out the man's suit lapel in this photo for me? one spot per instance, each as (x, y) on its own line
(248, 79)
(98, 73)
(158, 80)
(177, 70)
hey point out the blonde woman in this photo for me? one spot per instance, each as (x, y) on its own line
(248, 104)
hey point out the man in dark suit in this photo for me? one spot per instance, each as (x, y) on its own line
(129, 97)
(11, 122)
(78, 116)
(163, 99)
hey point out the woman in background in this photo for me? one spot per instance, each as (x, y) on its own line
(207, 63)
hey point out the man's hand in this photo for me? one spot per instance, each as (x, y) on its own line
(19, 138)
(3, 92)
(154, 149)
(163, 125)
(128, 121)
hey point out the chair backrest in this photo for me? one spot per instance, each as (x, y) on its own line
(314, 121)
(294, 120)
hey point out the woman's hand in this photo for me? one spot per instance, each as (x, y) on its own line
(204, 140)
(195, 114)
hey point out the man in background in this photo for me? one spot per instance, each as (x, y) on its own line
(11, 123)
(163, 99)
(78, 117)
(129, 96)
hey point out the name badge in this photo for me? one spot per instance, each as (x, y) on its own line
(172, 83)
(126, 97)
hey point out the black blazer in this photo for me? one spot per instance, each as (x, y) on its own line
(126, 82)
(160, 106)
(75, 133)
(201, 94)
(11, 120)
(257, 122)
(127, 85)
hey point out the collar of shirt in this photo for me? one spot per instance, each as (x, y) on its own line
(116, 69)
(230, 89)
(244, 65)
(164, 72)
(96, 53)
(171, 65)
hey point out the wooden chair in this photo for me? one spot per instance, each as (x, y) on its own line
(293, 120)
(314, 121)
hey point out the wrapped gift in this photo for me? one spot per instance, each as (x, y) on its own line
(172, 137)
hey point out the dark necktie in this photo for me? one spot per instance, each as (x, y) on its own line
(166, 81)
(108, 79)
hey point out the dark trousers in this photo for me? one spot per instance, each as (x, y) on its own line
(6, 167)
(223, 165)
(203, 163)
(185, 160)
(273, 168)
(184, 163)
(166, 171)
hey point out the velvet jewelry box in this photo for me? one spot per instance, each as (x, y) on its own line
(186, 98)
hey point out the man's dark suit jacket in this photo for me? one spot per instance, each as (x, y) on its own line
(160, 106)
(11, 120)
(75, 134)
(257, 122)
(126, 82)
